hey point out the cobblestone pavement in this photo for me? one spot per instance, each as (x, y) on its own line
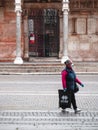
(43, 113)
(46, 101)
(51, 120)
(27, 104)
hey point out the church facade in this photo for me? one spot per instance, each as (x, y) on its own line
(48, 28)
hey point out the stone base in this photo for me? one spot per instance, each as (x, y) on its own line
(18, 60)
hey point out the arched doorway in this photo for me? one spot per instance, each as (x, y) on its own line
(43, 33)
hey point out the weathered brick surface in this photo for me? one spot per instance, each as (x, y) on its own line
(7, 31)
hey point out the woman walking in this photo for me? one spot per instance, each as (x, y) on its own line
(69, 80)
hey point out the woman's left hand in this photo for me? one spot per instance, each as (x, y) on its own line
(82, 85)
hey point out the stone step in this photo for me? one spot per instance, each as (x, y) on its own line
(34, 66)
(46, 66)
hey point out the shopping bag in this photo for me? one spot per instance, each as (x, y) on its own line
(64, 99)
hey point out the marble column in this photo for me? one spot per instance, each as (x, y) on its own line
(61, 34)
(18, 59)
(26, 40)
(65, 10)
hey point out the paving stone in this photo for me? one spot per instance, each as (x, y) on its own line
(50, 119)
(22, 110)
(43, 102)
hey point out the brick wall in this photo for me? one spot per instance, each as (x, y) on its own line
(7, 31)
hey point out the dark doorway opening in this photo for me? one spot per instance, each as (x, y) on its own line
(43, 33)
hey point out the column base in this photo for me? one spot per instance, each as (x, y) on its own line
(64, 58)
(18, 60)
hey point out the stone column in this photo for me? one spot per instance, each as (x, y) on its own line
(65, 10)
(18, 59)
(26, 40)
(61, 34)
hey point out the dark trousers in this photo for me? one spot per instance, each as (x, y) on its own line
(73, 100)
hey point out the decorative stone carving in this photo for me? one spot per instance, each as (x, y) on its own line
(83, 4)
(18, 5)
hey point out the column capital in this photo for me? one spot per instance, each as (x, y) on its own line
(65, 12)
(18, 6)
(65, 6)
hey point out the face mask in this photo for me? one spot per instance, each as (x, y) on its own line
(72, 65)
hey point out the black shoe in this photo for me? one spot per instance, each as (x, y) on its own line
(77, 110)
(63, 110)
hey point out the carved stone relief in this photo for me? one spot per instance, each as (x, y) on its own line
(82, 4)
